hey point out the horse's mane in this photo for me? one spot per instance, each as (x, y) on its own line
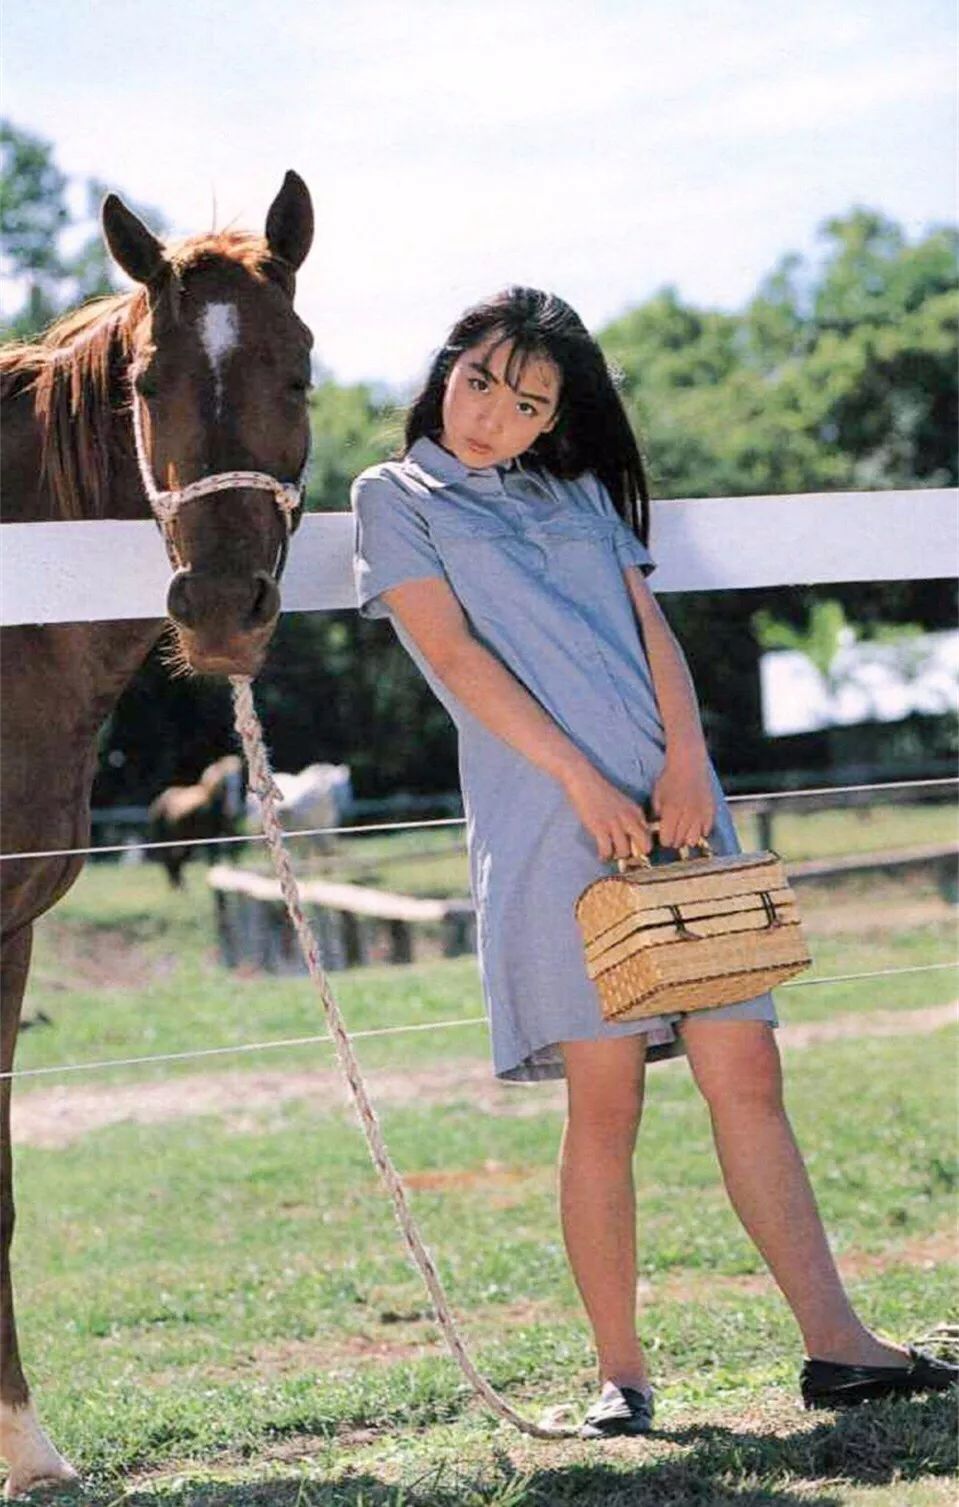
(73, 368)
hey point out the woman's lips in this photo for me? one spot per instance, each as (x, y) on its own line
(483, 449)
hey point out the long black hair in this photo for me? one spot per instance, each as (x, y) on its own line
(591, 433)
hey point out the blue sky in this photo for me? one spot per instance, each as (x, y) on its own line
(603, 148)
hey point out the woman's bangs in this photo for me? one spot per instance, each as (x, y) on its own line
(525, 345)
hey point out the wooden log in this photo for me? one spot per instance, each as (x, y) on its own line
(401, 942)
(459, 933)
(328, 928)
(356, 938)
(226, 928)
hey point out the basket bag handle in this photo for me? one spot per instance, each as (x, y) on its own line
(641, 861)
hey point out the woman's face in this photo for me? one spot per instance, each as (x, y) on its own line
(486, 422)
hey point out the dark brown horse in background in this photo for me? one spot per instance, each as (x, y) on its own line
(209, 357)
(192, 813)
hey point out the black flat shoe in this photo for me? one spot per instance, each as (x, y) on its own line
(828, 1384)
(620, 1410)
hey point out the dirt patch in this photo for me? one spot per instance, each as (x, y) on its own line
(869, 1023)
(97, 958)
(59, 1116)
(490, 1174)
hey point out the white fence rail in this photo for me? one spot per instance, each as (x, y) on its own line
(107, 569)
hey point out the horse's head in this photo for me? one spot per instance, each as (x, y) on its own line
(220, 370)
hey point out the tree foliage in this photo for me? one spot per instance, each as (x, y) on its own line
(350, 431)
(40, 211)
(839, 376)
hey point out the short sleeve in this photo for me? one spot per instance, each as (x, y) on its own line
(391, 542)
(630, 549)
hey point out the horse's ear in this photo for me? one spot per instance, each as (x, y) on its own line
(132, 246)
(289, 224)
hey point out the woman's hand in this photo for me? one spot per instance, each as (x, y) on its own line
(683, 798)
(616, 823)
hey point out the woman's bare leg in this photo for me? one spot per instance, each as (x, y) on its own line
(736, 1067)
(597, 1196)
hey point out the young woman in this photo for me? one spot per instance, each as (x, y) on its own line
(509, 549)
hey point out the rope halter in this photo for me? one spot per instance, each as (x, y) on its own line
(287, 495)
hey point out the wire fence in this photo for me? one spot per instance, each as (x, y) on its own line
(445, 821)
(290, 1043)
(243, 1048)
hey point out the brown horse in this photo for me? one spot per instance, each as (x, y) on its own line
(127, 405)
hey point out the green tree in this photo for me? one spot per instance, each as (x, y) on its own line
(835, 376)
(838, 377)
(350, 431)
(35, 215)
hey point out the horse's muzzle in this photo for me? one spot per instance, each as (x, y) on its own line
(200, 600)
(224, 622)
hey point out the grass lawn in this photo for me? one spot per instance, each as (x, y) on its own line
(215, 1305)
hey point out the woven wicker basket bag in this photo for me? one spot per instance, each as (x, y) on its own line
(690, 935)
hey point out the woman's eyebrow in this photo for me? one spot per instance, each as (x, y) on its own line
(484, 371)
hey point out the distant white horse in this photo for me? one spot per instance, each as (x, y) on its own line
(319, 796)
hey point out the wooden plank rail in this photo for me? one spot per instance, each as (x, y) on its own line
(96, 570)
(354, 924)
(941, 858)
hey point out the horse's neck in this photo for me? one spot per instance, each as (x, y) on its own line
(78, 670)
(28, 496)
(75, 672)
(110, 656)
(65, 678)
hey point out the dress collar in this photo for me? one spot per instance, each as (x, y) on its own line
(437, 468)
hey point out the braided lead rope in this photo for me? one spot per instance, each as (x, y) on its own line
(166, 505)
(261, 781)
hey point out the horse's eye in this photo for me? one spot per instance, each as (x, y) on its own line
(145, 385)
(299, 385)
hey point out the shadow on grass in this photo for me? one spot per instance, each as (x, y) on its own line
(868, 1446)
(720, 1467)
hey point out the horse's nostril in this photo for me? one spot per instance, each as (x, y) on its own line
(178, 600)
(266, 600)
(199, 600)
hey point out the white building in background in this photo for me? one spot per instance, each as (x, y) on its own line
(867, 682)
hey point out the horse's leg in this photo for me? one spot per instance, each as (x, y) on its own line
(24, 1445)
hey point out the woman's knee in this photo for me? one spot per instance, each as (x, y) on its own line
(735, 1063)
(605, 1081)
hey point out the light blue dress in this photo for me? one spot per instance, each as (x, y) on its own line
(537, 565)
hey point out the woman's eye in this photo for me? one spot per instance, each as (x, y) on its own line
(527, 410)
(479, 384)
